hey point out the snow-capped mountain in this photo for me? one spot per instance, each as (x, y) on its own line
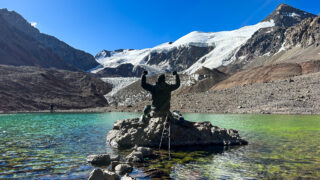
(200, 49)
(209, 49)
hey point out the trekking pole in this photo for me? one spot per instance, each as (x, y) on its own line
(164, 127)
(169, 136)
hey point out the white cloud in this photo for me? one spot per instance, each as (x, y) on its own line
(34, 24)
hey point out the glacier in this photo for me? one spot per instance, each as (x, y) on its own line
(225, 43)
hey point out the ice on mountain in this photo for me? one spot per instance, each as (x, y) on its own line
(225, 43)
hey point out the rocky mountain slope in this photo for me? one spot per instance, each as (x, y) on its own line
(297, 30)
(212, 50)
(204, 78)
(264, 74)
(74, 57)
(19, 49)
(27, 88)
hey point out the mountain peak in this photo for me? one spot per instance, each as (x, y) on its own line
(284, 6)
(285, 16)
(102, 54)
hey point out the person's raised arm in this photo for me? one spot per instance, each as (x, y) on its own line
(177, 84)
(144, 83)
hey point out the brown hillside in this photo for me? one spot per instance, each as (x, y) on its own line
(269, 73)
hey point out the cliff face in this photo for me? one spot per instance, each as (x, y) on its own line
(28, 88)
(305, 34)
(77, 58)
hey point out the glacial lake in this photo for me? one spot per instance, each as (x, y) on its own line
(55, 146)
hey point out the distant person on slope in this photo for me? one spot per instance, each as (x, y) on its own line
(161, 92)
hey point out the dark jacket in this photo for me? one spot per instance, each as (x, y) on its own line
(161, 92)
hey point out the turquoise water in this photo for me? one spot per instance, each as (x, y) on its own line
(54, 146)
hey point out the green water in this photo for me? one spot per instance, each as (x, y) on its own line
(54, 146)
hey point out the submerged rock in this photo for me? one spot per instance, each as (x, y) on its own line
(122, 169)
(145, 151)
(135, 157)
(100, 159)
(130, 132)
(98, 174)
(108, 175)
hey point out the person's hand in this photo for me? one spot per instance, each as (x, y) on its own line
(145, 72)
(174, 72)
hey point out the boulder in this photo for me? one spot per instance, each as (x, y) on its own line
(127, 177)
(108, 175)
(98, 174)
(122, 169)
(100, 159)
(138, 154)
(145, 151)
(127, 133)
(135, 156)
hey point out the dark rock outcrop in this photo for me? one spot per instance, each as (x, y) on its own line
(123, 70)
(100, 159)
(102, 54)
(130, 132)
(70, 55)
(305, 34)
(266, 41)
(179, 58)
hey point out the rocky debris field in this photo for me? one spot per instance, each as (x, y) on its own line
(295, 95)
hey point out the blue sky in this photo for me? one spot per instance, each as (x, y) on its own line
(93, 25)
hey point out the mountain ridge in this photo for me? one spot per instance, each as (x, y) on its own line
(18, 49)
(77, 58)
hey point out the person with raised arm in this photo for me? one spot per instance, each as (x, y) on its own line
(161, 92)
